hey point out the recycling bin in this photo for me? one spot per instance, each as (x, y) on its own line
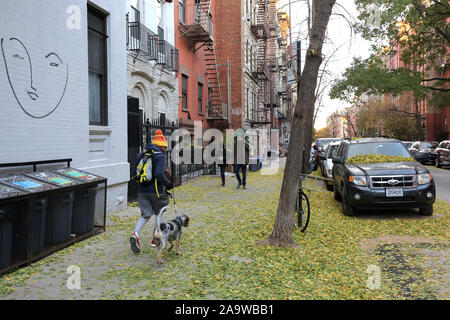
(58, 223)
(255, 164)
(84, 211)
(6, 232)
(38, 212)
(78, 174)
(26, 184)
(53, 178)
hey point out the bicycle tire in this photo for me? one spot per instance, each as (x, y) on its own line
(308, 212)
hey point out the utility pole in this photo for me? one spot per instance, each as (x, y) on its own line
(229, 93)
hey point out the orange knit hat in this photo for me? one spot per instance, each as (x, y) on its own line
(159, 139)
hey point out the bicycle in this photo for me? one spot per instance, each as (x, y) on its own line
(309, 183)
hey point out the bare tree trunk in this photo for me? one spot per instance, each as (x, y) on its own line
(418, 117)
(301, 124)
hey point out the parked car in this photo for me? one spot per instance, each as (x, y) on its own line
(443, 154)
(424, 151)
(408, 144)
(381, 185)
(321, 143)
(327, 161)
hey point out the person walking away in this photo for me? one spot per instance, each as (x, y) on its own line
(223, 164)
(241, 160)
(152, 196)
(312, 158)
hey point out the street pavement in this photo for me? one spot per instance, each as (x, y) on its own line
(442, 181)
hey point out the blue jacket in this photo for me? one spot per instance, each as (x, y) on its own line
(159, 182)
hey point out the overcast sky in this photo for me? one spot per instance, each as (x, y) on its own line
(340, 34)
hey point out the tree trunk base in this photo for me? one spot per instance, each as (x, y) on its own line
(277, 243)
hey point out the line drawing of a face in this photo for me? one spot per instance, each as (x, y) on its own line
(39, 88)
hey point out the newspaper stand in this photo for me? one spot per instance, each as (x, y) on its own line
(38, 210)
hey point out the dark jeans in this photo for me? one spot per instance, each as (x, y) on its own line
(222, 172)
(237, 167)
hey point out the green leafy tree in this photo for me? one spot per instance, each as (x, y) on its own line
(421, 29)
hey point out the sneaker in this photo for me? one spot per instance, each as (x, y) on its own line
(244, 187)
(238, 185)
(223, 184)
(134, 241)
(153, 244)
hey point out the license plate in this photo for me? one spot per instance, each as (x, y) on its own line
(394, 192)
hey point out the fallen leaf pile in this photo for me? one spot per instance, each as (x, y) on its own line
(377, 158)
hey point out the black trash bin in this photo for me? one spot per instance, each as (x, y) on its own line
(6, 232)
(84, 211)
(38, 212)
(21, 228)
(58, 223)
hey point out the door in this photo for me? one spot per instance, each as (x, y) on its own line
(134, 142)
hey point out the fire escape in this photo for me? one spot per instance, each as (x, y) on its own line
(261, 72)
(197, 28)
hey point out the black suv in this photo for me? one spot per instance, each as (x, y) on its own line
(381, 185)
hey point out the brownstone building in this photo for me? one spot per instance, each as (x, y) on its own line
(246, 37)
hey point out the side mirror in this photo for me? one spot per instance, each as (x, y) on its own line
(337, 160)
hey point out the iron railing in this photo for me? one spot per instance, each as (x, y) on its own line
(146, 43)
(167, 55)
(142, 40)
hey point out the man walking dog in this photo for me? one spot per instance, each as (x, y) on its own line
(152, 185)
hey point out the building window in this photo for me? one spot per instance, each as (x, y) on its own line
(98, 104)
(182, 11)
(160, 33)
(254, 106)
(184, 91)
(200, 98)
(248, 103)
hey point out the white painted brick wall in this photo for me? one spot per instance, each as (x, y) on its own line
(42, 27)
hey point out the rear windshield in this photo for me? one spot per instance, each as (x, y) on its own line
(379, 148)
(323, 142)
(427, 145)
(333, 151)
(408, 144)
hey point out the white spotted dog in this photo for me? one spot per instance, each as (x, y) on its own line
(169, 232)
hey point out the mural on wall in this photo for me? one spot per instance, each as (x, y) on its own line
(38, 84)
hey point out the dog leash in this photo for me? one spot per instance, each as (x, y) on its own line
(172, 195)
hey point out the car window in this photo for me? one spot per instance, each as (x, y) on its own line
(378, 148)
(324, 142)
(333, 152)
(426, 145)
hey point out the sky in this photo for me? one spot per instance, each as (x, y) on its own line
(339, 32)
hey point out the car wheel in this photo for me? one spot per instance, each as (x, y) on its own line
(438, 165)
(336, 194)
(346, 209)
(427, 211)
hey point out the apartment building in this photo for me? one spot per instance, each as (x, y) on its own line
(201, 91)
(152, 74)
(246, 36)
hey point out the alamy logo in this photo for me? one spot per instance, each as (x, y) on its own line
(374, 18)
(374, 280)
(74, 280)
(74, 20)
